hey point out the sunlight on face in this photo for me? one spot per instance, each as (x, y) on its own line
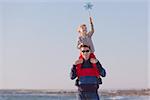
(83, 30)
(85, 51)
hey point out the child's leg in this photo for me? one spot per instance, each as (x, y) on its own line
(92, 56)
(80, 57)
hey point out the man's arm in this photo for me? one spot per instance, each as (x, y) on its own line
(99, 66)
(73, 74)
(101, 69)
(92, 27)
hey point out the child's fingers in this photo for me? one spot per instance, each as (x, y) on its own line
(91, 20)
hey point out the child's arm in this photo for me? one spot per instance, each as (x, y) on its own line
(79, 43)
(92, 27)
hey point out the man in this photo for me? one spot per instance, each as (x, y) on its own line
(87, 72)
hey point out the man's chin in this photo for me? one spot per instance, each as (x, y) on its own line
(86, 58)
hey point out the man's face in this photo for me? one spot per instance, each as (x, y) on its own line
(85, 51)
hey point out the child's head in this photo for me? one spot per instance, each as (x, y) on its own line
(82, 29)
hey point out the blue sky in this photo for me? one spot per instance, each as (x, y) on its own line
(38, 42)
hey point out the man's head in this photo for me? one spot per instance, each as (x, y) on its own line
(85, 51)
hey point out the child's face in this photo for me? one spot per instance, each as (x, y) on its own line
(83, 29)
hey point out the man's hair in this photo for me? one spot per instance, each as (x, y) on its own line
(85, 46)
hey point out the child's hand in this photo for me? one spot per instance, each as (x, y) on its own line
(91, 21)
(81, 44)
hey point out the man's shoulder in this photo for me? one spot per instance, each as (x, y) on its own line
(79, 61)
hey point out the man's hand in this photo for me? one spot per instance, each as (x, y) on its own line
(93, 60)
(79, 61)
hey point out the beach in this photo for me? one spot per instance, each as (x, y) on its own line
(21, 94)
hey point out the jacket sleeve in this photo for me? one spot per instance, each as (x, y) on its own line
(101, 69)
(73, 74)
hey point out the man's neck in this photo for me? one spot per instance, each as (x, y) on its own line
(86, 59)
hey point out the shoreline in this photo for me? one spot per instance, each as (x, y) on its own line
(132, 92)
(129, 92)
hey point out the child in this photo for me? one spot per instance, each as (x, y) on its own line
(85, 38)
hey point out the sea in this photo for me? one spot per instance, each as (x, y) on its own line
(9, 95)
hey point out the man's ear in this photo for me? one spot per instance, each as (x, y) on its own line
(93, 60)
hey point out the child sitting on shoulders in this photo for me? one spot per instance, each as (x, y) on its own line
(85, 38)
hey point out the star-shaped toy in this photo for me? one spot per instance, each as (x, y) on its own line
(88, 6)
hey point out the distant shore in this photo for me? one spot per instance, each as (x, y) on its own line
(132, 92)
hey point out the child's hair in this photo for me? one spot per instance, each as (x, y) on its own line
(78, 30)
